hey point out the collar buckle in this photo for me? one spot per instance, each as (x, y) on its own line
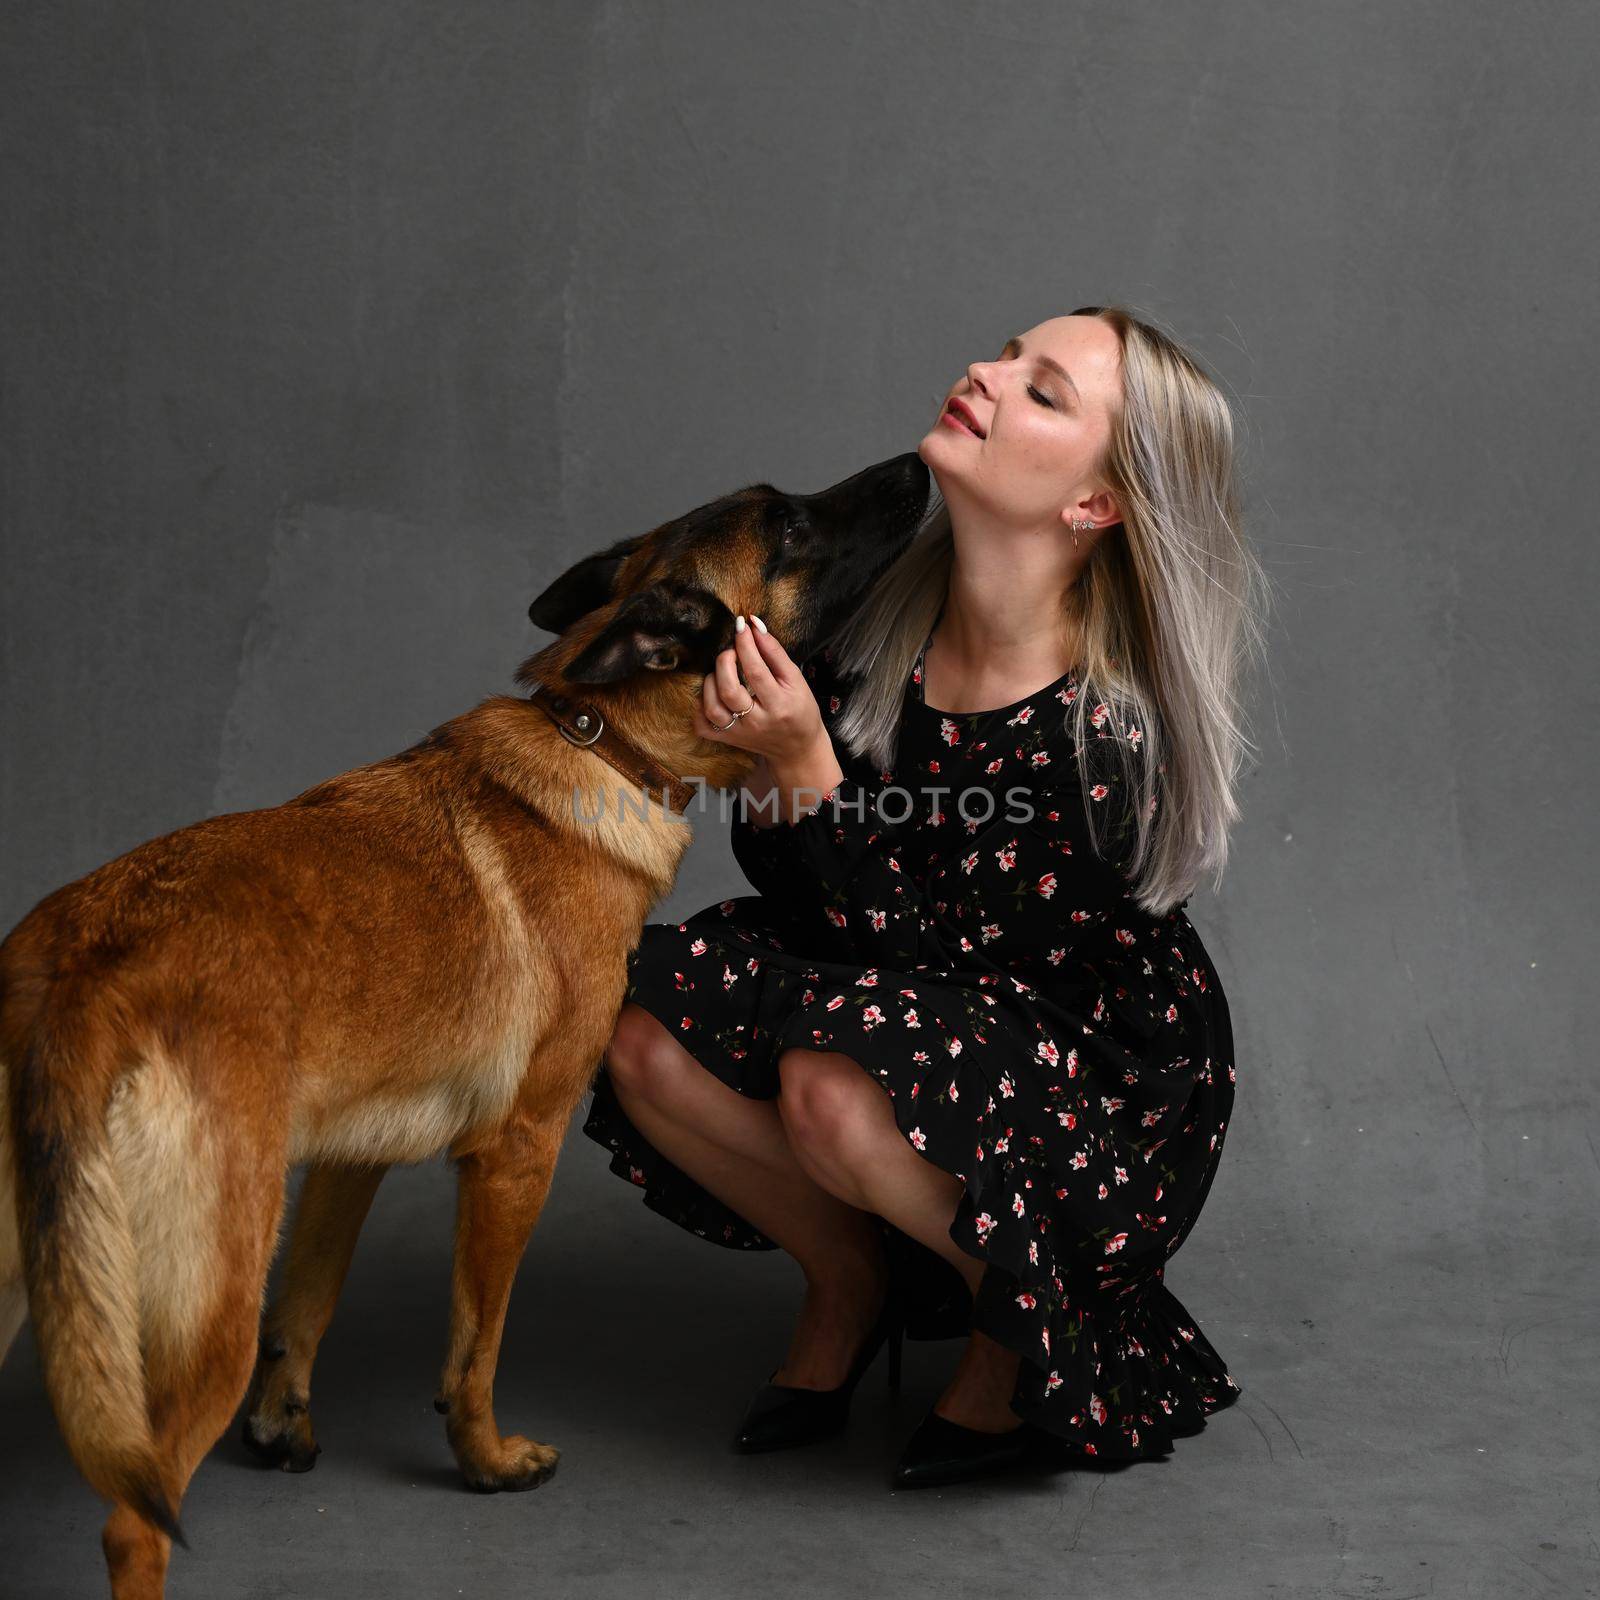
(587, 726)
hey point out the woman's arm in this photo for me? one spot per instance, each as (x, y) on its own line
(770, 799)
(799, 785)
(758, 786)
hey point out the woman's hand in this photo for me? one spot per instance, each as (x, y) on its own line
(783, 724)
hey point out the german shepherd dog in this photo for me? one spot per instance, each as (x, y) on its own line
(423, 955)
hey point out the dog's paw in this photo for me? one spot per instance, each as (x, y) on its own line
(518, 1464)
(288, 1444)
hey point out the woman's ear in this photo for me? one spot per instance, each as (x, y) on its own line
(582, 588)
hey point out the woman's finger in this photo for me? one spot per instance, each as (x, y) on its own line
(711, 706)
(711, 720)
(758, 675)
(777, 661)
(732, 693)
(721, 695)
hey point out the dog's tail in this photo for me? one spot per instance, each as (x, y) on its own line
(80, 1262)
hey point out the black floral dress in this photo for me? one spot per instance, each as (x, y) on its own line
(1063, 1053)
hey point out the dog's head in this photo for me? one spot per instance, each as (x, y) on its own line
(664, 601)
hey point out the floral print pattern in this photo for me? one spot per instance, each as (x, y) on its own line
(1064, 1054)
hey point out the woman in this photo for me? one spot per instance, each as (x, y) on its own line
(965, 1056)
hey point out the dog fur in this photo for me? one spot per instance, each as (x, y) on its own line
(423, 955)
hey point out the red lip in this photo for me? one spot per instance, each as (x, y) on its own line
(963, 416)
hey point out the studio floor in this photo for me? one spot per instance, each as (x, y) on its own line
(1403, 1431)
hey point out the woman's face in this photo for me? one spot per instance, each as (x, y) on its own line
(1041, 432)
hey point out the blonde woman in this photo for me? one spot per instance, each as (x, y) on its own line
(964, 1056)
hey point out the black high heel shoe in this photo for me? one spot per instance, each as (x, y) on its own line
(942, 1451)
(779, 1416)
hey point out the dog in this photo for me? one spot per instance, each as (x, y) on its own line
(423, 955)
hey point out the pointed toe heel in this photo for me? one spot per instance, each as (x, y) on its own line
(941, 1451)
(779, 1416)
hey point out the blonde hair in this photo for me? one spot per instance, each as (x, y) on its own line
(1169, 610)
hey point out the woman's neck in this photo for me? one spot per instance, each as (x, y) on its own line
(992, 648)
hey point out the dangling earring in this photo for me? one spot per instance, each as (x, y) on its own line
(1087, 525)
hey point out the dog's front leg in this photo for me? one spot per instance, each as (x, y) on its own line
(334, 1201)
(501, 1190)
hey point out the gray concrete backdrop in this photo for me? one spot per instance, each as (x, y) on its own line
(332, 332)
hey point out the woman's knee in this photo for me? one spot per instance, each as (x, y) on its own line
(819, 1097)
(643, 1056)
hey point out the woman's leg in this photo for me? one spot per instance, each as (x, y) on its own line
(842, 1129)
(737, 1149)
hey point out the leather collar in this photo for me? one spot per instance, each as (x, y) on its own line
(581, 724)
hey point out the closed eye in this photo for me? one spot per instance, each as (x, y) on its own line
(1043, 399)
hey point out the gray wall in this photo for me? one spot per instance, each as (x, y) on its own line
(331, 333)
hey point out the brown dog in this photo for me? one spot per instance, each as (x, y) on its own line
(426, 954)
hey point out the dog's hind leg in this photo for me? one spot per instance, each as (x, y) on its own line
(501, 1191)
(334, 1201)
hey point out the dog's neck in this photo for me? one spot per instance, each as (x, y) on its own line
(585, 725)
(518, 745)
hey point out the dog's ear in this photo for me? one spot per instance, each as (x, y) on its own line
(582, 588)
(663, 628)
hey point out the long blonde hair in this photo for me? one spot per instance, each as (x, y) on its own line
(1169, 610)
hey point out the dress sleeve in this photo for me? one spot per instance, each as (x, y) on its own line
(822, 864)
(766, 854)
(1017, 896)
